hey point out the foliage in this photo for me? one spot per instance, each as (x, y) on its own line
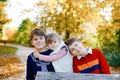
(68, 15)
(7, 49)
(3, 16)
(109, 35)
(24, 32)
(106, 35)
(3, 0)
(113, 56)
(116, 14)
(116, 19)
(0, 32)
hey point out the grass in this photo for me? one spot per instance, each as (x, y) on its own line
(7, 49)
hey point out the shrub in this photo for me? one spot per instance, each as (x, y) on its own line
(113, 56)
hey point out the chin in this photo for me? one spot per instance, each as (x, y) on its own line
(52, 49)
(39, 47)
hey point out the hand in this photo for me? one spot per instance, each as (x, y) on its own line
(36, 54)
(63, 51)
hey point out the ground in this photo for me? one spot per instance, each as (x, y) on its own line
(22, 53)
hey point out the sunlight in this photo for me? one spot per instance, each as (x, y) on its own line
(17, 10)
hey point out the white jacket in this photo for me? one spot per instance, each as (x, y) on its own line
(63, 64)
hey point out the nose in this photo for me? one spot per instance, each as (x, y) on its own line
(38, 41)
(77, 49)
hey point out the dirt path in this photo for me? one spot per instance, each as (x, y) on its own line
(22, 52)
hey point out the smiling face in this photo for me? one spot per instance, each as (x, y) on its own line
(54, 43)
(38, 42)
(76, 48)
(38, 39)
(53, 40)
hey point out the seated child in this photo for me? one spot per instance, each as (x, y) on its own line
(60, 57)
(86, 60)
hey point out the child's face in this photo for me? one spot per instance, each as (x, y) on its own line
(76, 48)
(38, 42)
(54, 44)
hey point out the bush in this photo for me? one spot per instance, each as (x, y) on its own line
(113, 56)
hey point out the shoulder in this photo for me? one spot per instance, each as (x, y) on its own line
(97, 51)
(49, 51)
(30, 56)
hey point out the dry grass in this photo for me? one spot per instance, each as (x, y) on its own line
(8, 59)
(10, 66)
(115, 70)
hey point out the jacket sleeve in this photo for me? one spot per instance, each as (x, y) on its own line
(53, 57)
(29, 69)
(104, 65)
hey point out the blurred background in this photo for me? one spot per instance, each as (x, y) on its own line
(95, 22)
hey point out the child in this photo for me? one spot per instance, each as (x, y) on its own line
(87, 60)
(38, 40)
(61, 63)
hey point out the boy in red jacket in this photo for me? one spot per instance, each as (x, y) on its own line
(87, 60)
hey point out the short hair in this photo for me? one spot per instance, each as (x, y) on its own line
(37, 32)
(51, 37)
(70, 41)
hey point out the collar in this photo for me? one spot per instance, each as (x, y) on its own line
(89, 51)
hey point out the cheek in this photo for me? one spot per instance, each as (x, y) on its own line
(57, 45)
(32, 42)
(43, 40)
(74, 54)
(50, 45)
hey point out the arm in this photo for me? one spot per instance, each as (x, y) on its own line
(53, 57)
(105, 69)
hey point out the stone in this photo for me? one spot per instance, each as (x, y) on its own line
(75, 76)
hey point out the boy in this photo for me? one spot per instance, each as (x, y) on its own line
(86, 60)
(38, 40)
(62, 62)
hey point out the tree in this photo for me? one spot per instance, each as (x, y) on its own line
(24, 31)
(116, 19)
(68, 16)
(3, 0)
(3, 16)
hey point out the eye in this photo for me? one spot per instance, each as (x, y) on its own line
(75, 45)
(72, 49)
(50, 43)
(35, 39)
(54, 41)
(41, 38)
